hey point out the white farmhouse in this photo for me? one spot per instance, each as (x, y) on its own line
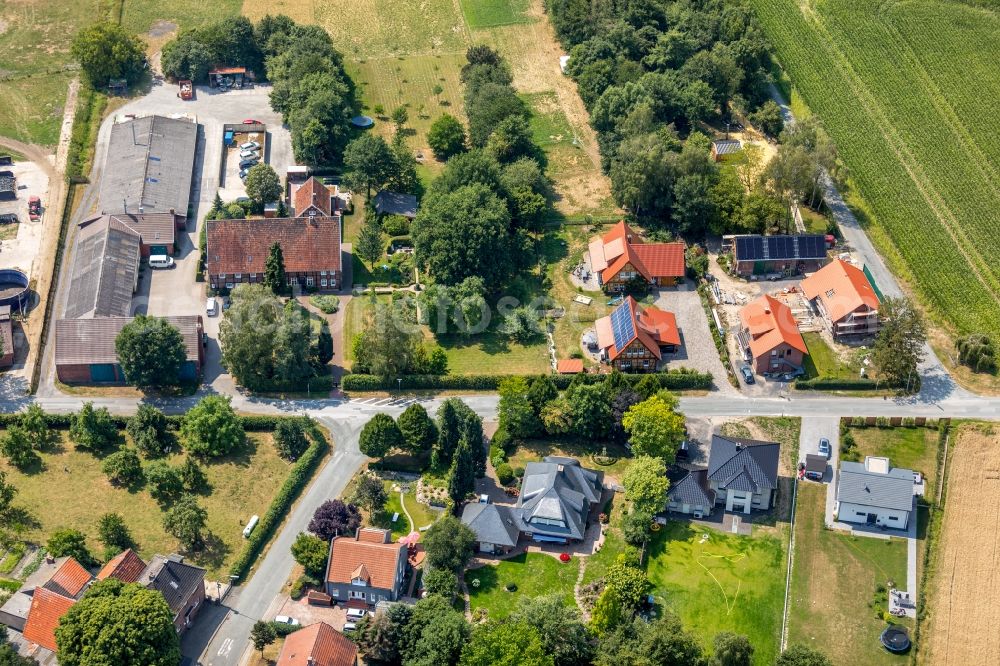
(875, 493)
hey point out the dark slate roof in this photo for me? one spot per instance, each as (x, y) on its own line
(692, 489)
(174, 579)
(777, 248)
(885, 491)
(491, 523)
(557, 489)
(395, 203)
(105, 269)
(746, 465)
(815, 463)
(149, 165)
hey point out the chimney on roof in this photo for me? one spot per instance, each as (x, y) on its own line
(172, 212)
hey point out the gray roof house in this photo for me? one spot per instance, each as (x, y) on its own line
(496, 529)
(105, 269)
(396, 203)
(691, 494)
(557, 496)
(182, 585)
(743, 472)
(149, 166)
(875, 493)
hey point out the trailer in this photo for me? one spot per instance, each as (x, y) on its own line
(186, 89)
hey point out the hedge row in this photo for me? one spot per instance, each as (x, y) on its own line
(677, 380)
(297, 479)
(318, 384)
(832, 384)
(64, 421)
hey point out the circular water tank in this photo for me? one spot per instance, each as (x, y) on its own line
(14, 289)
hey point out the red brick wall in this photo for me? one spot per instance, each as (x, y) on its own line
(73, 374)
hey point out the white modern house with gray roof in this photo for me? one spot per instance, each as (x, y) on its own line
(742, 474)
(875, 493)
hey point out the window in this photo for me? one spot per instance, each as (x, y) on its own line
(310, 281)
(229, 285)
(238, 276)
(893, 517)
(253, 276)
(336, 593)
(322, 273)
(322, 282)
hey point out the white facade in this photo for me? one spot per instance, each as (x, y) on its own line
(872, 515)
(736, 500)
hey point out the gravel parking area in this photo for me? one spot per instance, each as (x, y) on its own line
(307, 614)
(20, 247)
(697, 349)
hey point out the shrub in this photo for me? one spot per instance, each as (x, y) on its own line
(504, 474)
(325, 302)
(635, 527)
(497, 456)
(978, 352)
(395, 225)
(675, 380)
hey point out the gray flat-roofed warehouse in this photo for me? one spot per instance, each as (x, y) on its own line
(149, 167)
(105, 270)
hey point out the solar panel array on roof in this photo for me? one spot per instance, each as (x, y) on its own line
(623, 325)
(776, 248)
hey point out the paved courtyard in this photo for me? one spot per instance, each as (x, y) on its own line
(698, 350)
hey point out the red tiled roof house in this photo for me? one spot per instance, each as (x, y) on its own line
(318, 645)
(770, 337)
(848, 302)
(635, 341)
(620, 258)
(366, 567)
(237, 250)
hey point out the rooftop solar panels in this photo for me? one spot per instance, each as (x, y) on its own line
(623, 325)
(777, 248)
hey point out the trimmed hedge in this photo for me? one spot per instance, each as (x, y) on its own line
(297, 479)
(64, 421)
(677, 380)
(832, 384)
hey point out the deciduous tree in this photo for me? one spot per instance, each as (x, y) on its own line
(899, 346)
(446, 137)
(165, 482)
(448, 544)
(186, 520)
(211, 428)
(35, 425)
(262, 634)
(590, 413)
(114, 534)
(654, 429)
(263, 184)
(107, 51)
(94, 429)
(370, 243)
(559, 627)
(443, 582)
(148, 430)
(733, 649)
(123, 468)
(69, 542)
(151, 352)
(505, 643)
(118, 623)
(646, 484)
(335, 518)
(15, 444)
(800, 655)
(311, 552)
(516, 411)
(290, 438)
(380, 436)
(369, 163)
(370, 495)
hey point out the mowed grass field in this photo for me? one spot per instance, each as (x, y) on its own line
(962, 589)
(834, 577)
(907, 90)
(72, 491)
(721, 582)
(491, 13)
(534, 574)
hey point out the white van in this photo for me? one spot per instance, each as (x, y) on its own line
(250, 525)
(350, 626)
(211, 307)
(160, 261)
(355, 613)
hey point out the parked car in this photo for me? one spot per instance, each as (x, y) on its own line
(243, 174)
(747, 374)
(290, 621)
(211, 307)
(356, 613)
(160, 261)
(350, 626)
(824, 448)
(249, 145)
(8, 218)
(249, 153)
(249, 162)
(251, 121)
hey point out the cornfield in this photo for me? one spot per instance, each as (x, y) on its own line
(907, 91)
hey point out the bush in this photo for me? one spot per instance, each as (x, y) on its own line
(635, 527)
(832, 384)
(497, 456)
(395, 225)
(290, 438)
(296, 481)
(325, 302)
(978, 352)
(504, 474)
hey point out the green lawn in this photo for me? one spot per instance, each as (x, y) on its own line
(552, 131)
(910, 448)
(139, 15)
(422, 515)
(490, 353)
(533, 450)
(535, 574)
(375, 28)
(721, 582)
(834, 578)
(71, 491)
(491, 13)
(823, 360)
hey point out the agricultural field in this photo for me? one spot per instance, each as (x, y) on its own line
(835, 582)
(963, 586)
(907, 92)
(722, 582)
(70, 490)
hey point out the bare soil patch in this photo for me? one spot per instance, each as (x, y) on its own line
(965, 584)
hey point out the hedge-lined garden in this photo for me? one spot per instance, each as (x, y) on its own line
(674, 380)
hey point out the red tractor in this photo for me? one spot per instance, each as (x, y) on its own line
(186, 89)
(34, 209)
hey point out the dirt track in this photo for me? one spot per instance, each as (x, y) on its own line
(963, 609)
